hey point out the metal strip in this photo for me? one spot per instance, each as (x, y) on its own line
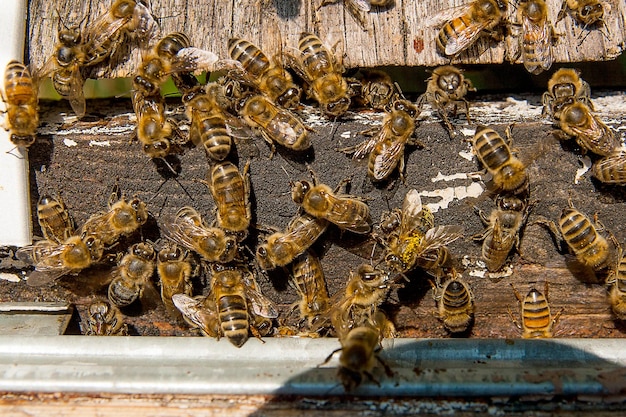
(293, 366)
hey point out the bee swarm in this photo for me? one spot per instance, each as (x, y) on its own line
(84, 160)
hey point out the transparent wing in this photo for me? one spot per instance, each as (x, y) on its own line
(261, 305)
(387, 160)
(198, 312)
(197, 60)
(441, 236)
(77, 97)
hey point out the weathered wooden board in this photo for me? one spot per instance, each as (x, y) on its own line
(84, 160)
(399, 35)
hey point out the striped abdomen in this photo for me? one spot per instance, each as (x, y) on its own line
(536, 318)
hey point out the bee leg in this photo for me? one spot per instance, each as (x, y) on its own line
(255, 333)
(517, 294)
(467, 112)
(482, 216)
(270, 142)
(553, 229)
(513, 319)
(556, 318)
(329, 357)
(562, 12)
(386, 367)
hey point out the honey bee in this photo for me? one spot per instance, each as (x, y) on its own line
(108, 30)
(231, 193)
(54, 219)
(20, 98)
(582, 238)
(322, 73)
(585, 12)
(189, 230)
(280, 249)
(414, 241)
(208, 124)
(234, 299)
(154, 130)
(502, 231)
(123, 218)
(617, 291)
(467, 23)
(447, 87)
(65, 66)
(105, 319)
(455, 304)
(276, 125)
(310, 284)
(378, 90)
(386, 148)
(359, 351)
(174, 270)
(53, 260)
(538, 36)
(366, 289)
(565, 87)
(270, 78)
(345, 211)
(132, 274)
(611, 169)
(537, 320)
(590, 132)
(507, 171)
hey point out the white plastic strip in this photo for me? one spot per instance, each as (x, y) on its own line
(420, 367)
(15, 217)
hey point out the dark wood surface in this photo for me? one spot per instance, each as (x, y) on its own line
(82, 161)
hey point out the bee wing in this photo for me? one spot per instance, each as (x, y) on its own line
(261, 305)
(441, 236)
(364, 148)
(197, 60)
(45, 256)
(199, 313)
(465, 37)
(180, 234)
(48, 68)
(541, 37)
(102, 30)
(441, 17)
(237, 128)
(386, 161)
(413, 215)
(144, 25)
(363, 5)
(595, 135)
(281, 128)
(77, 97)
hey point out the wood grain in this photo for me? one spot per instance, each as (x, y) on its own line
(401, 35)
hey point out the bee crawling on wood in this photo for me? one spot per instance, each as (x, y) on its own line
(583, 237)
(447, 87)
(503, 228)
(385, 149)
(465, 24)
(537, 36)
(537, 319)
(455, 303)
